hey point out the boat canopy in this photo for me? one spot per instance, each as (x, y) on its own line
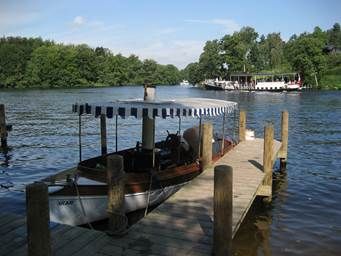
(185, 107)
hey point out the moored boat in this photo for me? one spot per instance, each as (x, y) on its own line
(184, 83)
(257, 82)
(219, 85)
(153, 171)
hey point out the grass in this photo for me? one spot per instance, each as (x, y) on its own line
(332, 79)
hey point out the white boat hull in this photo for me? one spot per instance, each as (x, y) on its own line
(68, 209)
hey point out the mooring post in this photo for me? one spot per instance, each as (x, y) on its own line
(223, 208)
(207, 135)
(242, 125)
(268, 158)
(283, 155)
(116, 183)
(38, 218)
(103, 135)
(3, 127)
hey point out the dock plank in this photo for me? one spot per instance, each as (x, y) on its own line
(192, 207)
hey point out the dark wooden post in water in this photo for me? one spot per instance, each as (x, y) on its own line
(223, 194)
(242, 125)
(268, 159)
(207, 134)
(116, 183)
(38, 218)
(283, 153)
(103, 135)
(3, 127)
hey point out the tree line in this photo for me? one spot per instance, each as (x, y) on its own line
(33, 62)
(307, 53)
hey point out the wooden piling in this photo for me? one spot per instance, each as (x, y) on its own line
(38, 218)
(3, 127)
(116, 191)
(223, 194)
(207, 135)
(283, 153)
(103, 135)
(242, 125)
(268, 159)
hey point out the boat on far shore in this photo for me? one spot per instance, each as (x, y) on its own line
(257, 82)
(217, 84)
(184, 83)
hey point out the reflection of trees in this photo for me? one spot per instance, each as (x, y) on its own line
(6, 156)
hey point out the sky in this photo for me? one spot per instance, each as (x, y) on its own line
(170, 32)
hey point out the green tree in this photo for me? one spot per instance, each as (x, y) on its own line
(275, 48)
(149, 72)
(85, 61)
(15, 52)
(306, 56)
(237, 49)
(53, 66)
(194, 73)
(211, 59)
(335, 35)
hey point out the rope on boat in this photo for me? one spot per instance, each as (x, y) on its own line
(82, 206)
(150, 190)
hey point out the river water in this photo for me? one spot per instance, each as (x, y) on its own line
(305, 215)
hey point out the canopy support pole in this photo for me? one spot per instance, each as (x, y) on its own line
(179, 147)
(200, 135)
(80, 137)
(116, 133)
(223, 135)
(179, 125)
(103, 126)
(148, 125)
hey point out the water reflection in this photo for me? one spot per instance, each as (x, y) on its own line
(254, 235)
(5, 183)
(5, 156)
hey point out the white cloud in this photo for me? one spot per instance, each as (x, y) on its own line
(229, 25)
(167, 31)
(176, 52)
(11, 19)
(159, 47)
(78, 21)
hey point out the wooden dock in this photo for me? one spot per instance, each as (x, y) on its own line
(183, 225)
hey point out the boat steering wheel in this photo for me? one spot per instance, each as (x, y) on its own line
(172, 141)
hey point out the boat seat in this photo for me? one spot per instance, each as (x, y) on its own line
(191, 136)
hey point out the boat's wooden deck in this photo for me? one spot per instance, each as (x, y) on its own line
(180, 226)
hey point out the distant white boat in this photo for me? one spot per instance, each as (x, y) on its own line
(184, 83)
(217, 84)
(278, 85)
